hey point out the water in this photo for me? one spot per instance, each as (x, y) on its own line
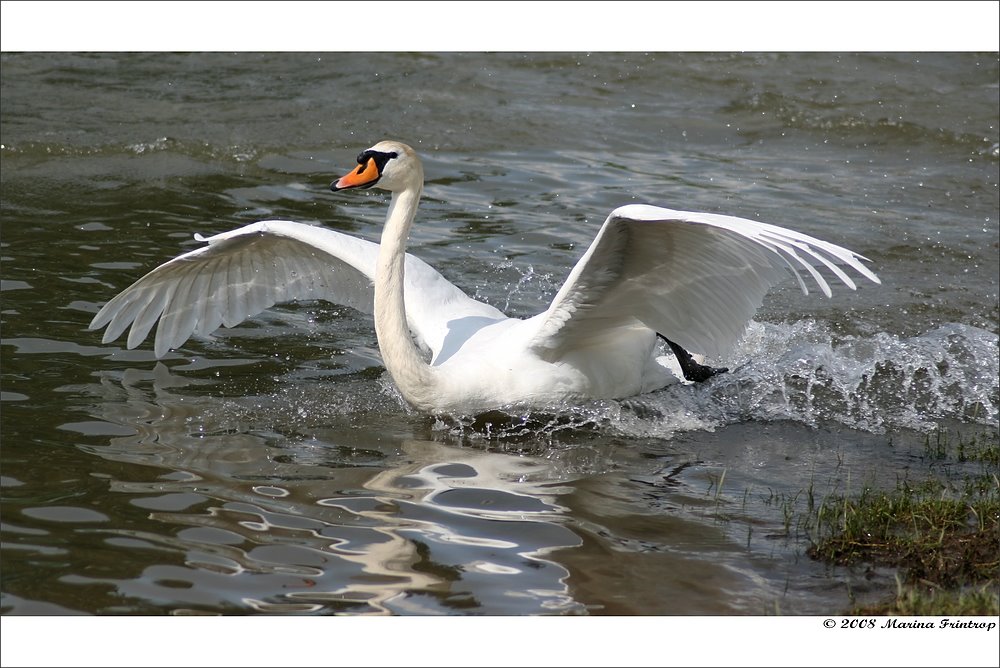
(272, 467)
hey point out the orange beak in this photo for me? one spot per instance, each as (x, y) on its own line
(366, 174)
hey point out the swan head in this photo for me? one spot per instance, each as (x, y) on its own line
(390, 165)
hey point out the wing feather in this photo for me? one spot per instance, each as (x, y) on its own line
(239, 274)
(180, 314)
(146, 318)
(696, 278)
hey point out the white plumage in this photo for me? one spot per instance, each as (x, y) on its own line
(695, 278)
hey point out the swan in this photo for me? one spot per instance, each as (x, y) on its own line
(691, 279)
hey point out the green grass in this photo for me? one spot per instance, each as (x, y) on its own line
(943, 534)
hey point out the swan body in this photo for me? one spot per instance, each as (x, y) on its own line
(694, 278)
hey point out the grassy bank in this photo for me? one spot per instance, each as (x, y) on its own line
(942, 533)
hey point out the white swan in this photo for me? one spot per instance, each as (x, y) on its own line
(696, 279)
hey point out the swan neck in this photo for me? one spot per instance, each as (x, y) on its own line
(412, 375)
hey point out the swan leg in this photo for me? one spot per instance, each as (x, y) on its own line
(693, 371)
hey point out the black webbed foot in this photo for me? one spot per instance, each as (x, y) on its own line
(693, 371)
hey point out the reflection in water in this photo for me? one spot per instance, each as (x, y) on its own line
(290, 502)
(467, 528)
(430, 529)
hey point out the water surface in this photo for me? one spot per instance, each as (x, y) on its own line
(272, 468)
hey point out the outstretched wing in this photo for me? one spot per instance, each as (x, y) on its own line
(696, 278)
(245, 271)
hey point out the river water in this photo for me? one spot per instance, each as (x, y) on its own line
(273, 468)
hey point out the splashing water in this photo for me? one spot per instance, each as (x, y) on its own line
(798, 372)
(802, 373)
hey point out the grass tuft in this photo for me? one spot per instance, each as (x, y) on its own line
(943, 535)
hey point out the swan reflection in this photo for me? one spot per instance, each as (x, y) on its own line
(248, 519)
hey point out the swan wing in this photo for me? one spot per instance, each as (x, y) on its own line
(696, 278)
(240, 273)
